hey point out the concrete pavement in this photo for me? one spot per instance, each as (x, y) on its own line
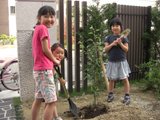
(7, 94)
(7, 111)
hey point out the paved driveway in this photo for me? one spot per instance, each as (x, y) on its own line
(7, 111)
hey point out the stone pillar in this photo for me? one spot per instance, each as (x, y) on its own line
(26, 12)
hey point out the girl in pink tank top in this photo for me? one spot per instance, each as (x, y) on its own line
(43, 65)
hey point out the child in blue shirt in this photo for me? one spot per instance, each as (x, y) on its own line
(117, 67)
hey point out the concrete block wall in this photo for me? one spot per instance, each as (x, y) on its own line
(26, 13)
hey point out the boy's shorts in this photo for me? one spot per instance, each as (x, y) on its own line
(45, 87)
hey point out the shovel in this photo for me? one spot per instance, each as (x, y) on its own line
(73, 107)
(125, 33)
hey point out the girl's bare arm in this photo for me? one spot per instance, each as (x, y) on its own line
(108, 47)
(48, 52)
(123, 46)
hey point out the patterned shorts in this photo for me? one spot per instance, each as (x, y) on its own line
(45, 86)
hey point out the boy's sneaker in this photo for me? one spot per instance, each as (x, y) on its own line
(110, 98)
(57, 118)
(126, 100)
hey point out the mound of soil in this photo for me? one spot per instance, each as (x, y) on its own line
(89, 111)
(144, 106)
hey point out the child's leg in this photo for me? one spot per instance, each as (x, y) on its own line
(126, 85)
(35, 108)
(111, 85)
(127, 88)
(48, 112)
(55, 114)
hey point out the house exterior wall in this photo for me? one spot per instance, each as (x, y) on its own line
(12, 19)
(4, 20)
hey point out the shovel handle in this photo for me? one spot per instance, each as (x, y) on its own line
(61, 80)
(103, 68)
(64, 88)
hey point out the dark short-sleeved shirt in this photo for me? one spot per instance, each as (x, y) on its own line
(116, 54)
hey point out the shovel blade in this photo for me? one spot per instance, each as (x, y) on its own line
(73, 107)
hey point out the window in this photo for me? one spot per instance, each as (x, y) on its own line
(12, 9)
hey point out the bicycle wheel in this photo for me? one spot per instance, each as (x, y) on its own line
(10, 76)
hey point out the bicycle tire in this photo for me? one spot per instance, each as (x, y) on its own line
(11, 83)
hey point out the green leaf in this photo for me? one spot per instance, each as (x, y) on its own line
(90, 33)
(156, 86)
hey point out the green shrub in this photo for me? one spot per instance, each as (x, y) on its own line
(12, 39)
(151, 79)
(5, 39)
(18, 108)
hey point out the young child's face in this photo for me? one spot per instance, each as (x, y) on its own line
(116, 29)
(59, 53)
(47, 20)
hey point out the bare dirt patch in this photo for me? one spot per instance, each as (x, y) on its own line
(144, 106)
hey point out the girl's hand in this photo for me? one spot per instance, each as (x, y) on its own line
(115, 43)
(64, 82)
(57, 62)
(119, 40)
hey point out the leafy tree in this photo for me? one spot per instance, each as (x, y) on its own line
(91, 36)
(154, 35)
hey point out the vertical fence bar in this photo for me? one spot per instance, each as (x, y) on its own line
(84, 56)
(131, 42)
(77, 50)
(136, 40)
(121, 11)
(148, 30)
(142, 29)
(140, 42)
(115, 6)
(69, 44)
(128, 10)
(123, 17)
(61, 33)
(146, 49)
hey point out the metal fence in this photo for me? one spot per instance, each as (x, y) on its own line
(137, 19)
